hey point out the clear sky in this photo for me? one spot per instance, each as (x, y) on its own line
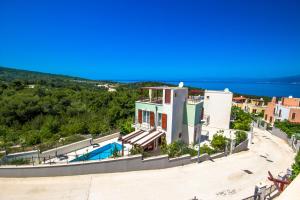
(155, 39)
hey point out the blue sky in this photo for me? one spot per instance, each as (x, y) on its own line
(156, 40)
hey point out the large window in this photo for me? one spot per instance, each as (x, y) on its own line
(146, 117)
(293, 116)
(159, 119)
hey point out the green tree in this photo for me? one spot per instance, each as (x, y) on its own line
(240, 136)
(219, 142)
(242, 120)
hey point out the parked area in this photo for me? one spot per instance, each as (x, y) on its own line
(232, 177)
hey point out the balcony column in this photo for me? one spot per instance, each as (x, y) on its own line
(150, 95)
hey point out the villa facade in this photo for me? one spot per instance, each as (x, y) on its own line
(168, 112)
(171, 113)
(217, 112)
(288, 108)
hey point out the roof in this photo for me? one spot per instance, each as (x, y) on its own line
(162, 87)
(225, 91)
(142, 138)
(239, 98)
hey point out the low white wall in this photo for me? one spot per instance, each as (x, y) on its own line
(243, 146)
(217, 155)
(277, 132)
(202, 158)
(107, 137)
(295, 144)
(66, 149)
(132, 163)
(77, 145)
(25, 154)
(123, 164)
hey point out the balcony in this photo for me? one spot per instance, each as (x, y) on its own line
(158, 100)
(194, 99)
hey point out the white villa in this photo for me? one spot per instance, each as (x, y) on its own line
(170, 112)
(217, 111)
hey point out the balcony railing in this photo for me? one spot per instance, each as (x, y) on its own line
(194, 99)
(154, 100)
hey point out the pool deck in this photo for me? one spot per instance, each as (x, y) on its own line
(80, 152)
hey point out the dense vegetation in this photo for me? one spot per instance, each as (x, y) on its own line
(59, 110)
(296, 166)
(240, 136)
(219, 142)
(242, 120)
(178, 148)
(289, 128)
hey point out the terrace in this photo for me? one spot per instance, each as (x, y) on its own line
(155, 94)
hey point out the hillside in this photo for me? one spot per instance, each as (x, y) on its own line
(42, 111)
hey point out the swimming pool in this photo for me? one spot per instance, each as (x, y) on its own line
(100, 153)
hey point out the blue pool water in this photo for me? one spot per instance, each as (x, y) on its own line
(100, 153)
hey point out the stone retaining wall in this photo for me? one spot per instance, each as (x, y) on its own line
(295, 144)
(243, 146)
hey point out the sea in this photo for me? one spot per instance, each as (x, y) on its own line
(269, 89)
(254, 88)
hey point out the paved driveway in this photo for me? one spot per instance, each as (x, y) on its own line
(223, 178)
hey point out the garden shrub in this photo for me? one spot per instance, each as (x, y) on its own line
(19, 161)
(136, 150)
(219, 142)
(178, 148)
(296, 166)
(240, 136)
(287, 127)
(206, 149)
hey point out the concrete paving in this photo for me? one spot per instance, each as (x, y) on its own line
(222, 178)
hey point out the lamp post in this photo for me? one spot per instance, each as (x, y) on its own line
(201, 123)
(199, 148)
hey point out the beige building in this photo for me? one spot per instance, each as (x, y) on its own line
(254, 106)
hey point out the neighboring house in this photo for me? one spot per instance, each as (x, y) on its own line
(167, 112)
(239, 101)
(31, 86)
(217, 111)
(110, 88)
(253, 106)
(286, 109)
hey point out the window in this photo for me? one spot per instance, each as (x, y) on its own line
(293, 116)
(164, 121)
(146, 117)
(175, 94)
(266, 117)
(280, 113)
(140, 114)
(159, 119)
(167, 96)
(274, 111)
(254, 110)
